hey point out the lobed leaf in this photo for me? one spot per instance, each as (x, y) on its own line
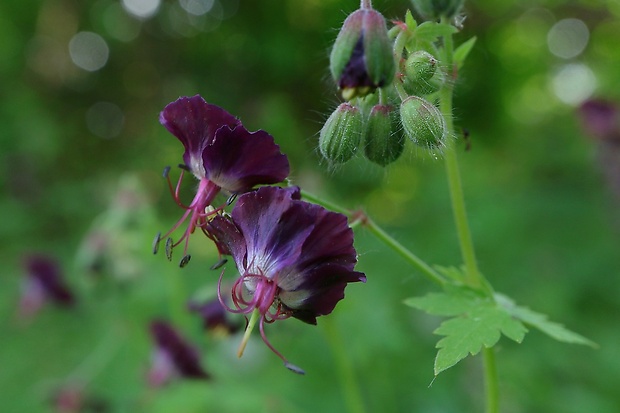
(466, 334)
(542, 323)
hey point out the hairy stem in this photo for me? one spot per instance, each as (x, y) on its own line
(359, 218)
(473, 276)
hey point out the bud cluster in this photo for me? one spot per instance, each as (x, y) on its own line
(389, 81)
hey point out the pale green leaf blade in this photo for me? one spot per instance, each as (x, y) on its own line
(410, 21)
(431, 31)
(461, 52)
(468, 333)
(441, 304)
(551, 328)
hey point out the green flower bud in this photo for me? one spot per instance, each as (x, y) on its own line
(384, 140)
(423, 123)
(420, 66)
(361, 59)
(435, 9)
(422, 76)
(341, 134)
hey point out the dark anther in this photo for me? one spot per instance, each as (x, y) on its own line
(294, 368)
(219, 264)
(166, 172)
(185, 260)
(184, 167)
(156, 243)
(169, 249)
(231, 199)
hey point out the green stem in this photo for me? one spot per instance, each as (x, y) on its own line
(473, 276)
(491, 381)
(380, 234)
(352, 392)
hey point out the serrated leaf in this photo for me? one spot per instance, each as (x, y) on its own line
(431, 31)
(468, 333)
(461, 52)
(541, 322)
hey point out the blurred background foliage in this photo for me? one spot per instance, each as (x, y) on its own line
(81, 150)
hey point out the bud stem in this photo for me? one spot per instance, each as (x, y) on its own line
(366, 4)
(248, 331)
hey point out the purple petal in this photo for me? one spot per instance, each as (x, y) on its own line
(274, 227)
(228, 238)
(194, 122)
(186, 360)
(238, 160)
(320, 291)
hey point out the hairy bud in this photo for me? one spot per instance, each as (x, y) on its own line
(341, 134)
(384, 140)
(423, 123)
(361, 59)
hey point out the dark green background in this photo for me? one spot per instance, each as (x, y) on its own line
(545, 221)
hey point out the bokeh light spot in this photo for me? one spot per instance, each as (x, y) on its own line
(88, 51)
(568, 38)
(574, 83)
(197, 7)
(142, 9)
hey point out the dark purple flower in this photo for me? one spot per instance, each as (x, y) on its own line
(295, 258)
(173, 356)
(43, 283)
(215, 317)
(222, 155)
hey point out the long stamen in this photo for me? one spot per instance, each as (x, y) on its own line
(287, 364)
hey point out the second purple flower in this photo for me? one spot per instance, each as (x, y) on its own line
(222, 155)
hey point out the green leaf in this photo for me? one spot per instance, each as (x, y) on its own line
(467, 333)
(445, 304)
(431, 31)
(461, 52)
(542, 323)
(477, 321)
(410, 21)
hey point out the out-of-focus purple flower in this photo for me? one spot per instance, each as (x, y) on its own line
(601, 119)
(74, 399)
(215, 317)
(222, 155)
(43, 282)
(295, 258)
(173, 356)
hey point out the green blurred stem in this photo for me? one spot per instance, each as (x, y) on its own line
(490, 380)
(352, 391)
(359, 218)
(473, 276)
